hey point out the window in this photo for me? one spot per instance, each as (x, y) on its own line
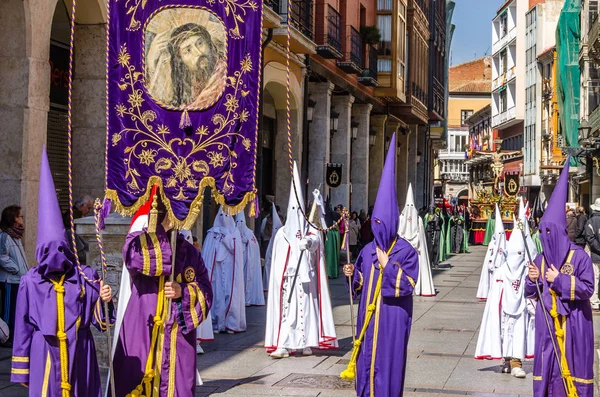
(504, 24)
(503, 62)
(503, 101)
(464, 115)
(402, 40)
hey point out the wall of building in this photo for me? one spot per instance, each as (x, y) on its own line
(457, 103)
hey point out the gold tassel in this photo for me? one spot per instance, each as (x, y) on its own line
(153, 215)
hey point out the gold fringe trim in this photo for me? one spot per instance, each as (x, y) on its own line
(194, 212)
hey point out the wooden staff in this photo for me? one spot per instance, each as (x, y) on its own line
(347, 246)
(172, 276)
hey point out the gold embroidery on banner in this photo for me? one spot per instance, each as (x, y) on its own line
(46, 376)
(145, 254)
(185, 172)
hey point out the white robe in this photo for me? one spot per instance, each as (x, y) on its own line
(494, 257)
(252, 267)
(222, 252)
(412, 230)
(307, 321)
(505, 327)
(269, 253)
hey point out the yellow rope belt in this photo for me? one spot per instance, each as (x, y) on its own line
(157, 329)
(559, 329)
(350, 372)
(62, 336)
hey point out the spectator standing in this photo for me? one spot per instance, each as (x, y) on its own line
(353, 233)
(571, 225)
(581, 222)
(13, 264)
(592, 238)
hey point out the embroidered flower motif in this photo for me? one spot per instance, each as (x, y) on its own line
(216, 159)
(244, 115)
(135, 99)
(246, 64)
(231, 104)
(116, 138)
(202, 130)
(246, 143)
(121, 110)
(182, 171)
(163, 129)
(147, 156)
(124, 56)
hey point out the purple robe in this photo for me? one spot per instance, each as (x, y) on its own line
(36, 355)
(574, 287)
(381, 363)
(148, 260)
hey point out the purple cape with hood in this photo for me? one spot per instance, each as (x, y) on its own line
(566, 302)
(381, 363)
(36, 349)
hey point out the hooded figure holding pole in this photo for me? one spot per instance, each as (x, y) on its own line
(299, 315)
(564, 333)
(494, 257)
(155, 353)
(53, 351)
(384, 275)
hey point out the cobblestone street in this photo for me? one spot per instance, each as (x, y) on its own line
(440, 361)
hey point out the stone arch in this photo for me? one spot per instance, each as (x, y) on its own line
(274, 84)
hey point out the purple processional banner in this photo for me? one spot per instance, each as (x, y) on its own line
(183, 80)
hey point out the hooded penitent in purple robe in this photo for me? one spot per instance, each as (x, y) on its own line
(53, 348)
(381, 361)
(566, 303)
(156, 355)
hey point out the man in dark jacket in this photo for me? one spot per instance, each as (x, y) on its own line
(581, 222)
(571, 224)
(592, 238)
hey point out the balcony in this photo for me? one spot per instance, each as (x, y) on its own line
(301, 26)
(504, 117)
(271, 11)
(594, 120)
(353, 49)
(594, 40)
(328, 32)
(504, 79)
(451, 154)
(503, 41)
(369, 74)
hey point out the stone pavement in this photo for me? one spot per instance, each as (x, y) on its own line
(440, 355)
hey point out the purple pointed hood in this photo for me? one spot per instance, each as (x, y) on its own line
(385, 218)
(553, 226)
(53, 251)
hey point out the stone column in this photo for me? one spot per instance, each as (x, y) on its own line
(318, 137)
(376, 156)
(359, 166)
(89, 117)
(281, 154)
(340, 148)
(422, 168)
(402, 168)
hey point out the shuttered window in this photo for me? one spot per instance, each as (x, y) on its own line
(56, 144)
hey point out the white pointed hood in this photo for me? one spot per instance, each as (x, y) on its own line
(223, 223)
(295, 224)
(523, 218)
(513, 298)
(409, 220)
(318, 198)
(240, 223)
(499, 225)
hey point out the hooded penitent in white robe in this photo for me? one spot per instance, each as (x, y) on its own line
(269, 254)
(412, 230)
(307, 321)
(255, 295)
(494, 257)
(223, 255)
(505, 324)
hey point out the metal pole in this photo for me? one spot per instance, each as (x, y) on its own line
(305, 129)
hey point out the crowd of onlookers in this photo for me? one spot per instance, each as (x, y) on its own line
(584, 231)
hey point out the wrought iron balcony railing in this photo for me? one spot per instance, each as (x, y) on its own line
(369, 74)
(302, 16)
(353, 49)
(275, 5)
(328, 31)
